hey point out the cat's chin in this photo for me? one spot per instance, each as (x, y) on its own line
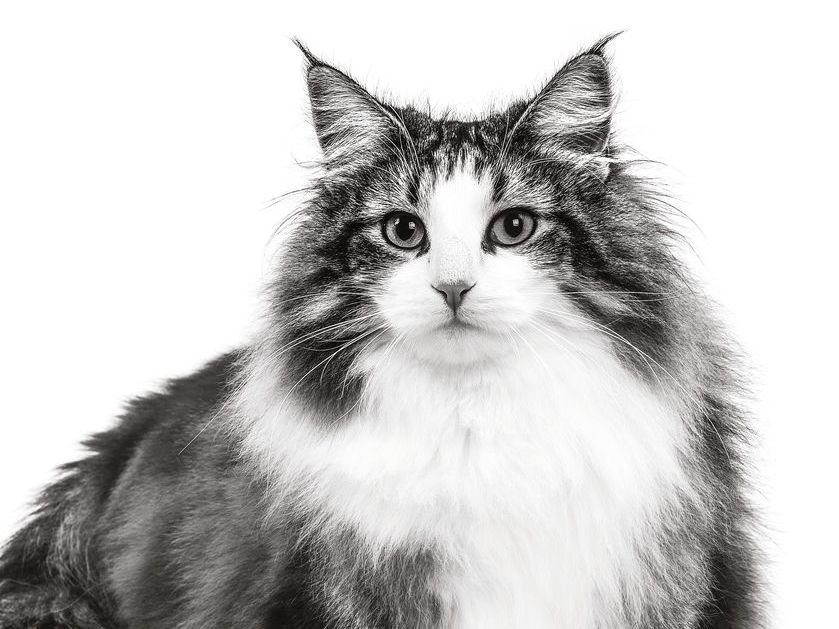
(459, 343)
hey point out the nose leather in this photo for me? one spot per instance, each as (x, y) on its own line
(454, 293)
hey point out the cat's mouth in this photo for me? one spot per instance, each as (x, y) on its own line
(456, 323)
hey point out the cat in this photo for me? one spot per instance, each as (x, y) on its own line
(486, 394)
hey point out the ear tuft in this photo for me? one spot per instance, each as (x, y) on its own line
(311, 59)
(351, 125)
(599, 48)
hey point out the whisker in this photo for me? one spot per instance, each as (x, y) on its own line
(319, 294)
(305, 375)
(346, 345)
(282, 197)
(552, 336)
(691, 398)
(382, 358)
(344, 324)
(360, 353)
(560, 292)
(538, 357)
(600, 327)
(384, 355)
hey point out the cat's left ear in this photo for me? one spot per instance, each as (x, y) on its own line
(573, 112)
(351, 125)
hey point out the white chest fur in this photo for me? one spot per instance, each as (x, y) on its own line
(541, 479)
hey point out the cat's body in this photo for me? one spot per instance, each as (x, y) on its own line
(556, 444)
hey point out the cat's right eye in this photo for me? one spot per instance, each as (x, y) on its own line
(403, 230)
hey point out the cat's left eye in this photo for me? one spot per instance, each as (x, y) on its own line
(512, 227)
(403, 230)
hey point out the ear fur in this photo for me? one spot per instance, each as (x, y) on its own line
(351, 125)
(573, 111)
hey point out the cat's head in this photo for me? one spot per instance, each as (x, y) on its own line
(457, 240)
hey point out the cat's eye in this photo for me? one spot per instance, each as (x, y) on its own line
(512, 227)
(403, 230)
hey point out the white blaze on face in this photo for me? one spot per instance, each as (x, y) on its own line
(452, 262)
(458, 210)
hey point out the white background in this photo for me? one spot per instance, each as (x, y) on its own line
(140, 145)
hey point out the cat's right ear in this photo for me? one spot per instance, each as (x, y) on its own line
(353, 128)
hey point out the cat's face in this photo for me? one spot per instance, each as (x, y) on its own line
(469, 267)
(456, 241)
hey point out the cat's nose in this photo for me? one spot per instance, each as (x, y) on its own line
(454, 293)
(452, 268)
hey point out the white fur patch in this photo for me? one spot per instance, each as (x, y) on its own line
(542, 478)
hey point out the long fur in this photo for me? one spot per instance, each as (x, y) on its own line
(567, 449)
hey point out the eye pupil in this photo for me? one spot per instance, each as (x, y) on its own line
(405, 228)
(513, 225)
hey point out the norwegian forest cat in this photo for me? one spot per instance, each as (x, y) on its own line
(486, 395)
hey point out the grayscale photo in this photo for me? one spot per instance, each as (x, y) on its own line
(441, 316)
